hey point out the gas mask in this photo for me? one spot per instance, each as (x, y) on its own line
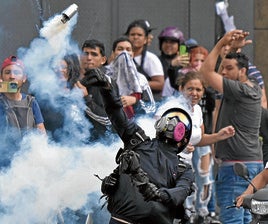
(175, 126)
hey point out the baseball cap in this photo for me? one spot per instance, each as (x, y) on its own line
(12, 60)
(144, 24)
(148, 25)
(191, 43)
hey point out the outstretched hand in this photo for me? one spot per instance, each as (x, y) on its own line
(236, 39)
(226, 132)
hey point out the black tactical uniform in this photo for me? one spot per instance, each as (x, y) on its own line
(150, 184)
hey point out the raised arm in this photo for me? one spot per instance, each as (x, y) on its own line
(235, 38)
(126, 129)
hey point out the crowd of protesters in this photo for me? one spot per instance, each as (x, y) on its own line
(216, 95)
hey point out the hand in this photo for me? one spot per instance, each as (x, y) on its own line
(225, 133)
(239, 200)
(236, 39)
(128, 100)
(189, 148)
(240, 41)
(109, 184)
(96, 77)
(149, 192)
(129, 162)
(83, 88)
(181, 60)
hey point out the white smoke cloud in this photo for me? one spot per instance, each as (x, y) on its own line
(45, 177)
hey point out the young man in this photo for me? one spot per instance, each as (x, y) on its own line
(19, 106)
(127, 80)
(19, 112)
(240, 107)
(93, 56)
(134, 89)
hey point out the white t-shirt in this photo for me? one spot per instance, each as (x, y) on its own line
(168, 90)
(152, 65)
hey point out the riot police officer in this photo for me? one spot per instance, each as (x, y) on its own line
(150, 183)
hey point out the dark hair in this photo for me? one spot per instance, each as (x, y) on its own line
(119, 40)
(242, 59)
(183, 79)
(94, 44)
(73, 67)
(138, 23)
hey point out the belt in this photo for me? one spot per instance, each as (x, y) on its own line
(232, 162)
(121, 220)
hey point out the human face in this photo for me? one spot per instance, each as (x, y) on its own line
(150, 39)
(92, 58)
(63, 69)
(137, 37)
(123, 46)
(197, 60)
(13, 73)
(229, 69)
(170, 47)
(225, 50)
(193, 90)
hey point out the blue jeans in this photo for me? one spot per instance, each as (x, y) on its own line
(202, 179)
(228, 187)
(212, 201)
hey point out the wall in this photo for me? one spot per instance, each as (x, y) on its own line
(261, 38)
(106, 20)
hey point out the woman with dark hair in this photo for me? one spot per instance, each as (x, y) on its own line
(69, 69)
(147, 63)
(171, 39)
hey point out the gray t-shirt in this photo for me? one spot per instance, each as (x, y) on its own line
(241, 107)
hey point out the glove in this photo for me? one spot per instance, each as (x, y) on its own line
(96, 77)
(163, 196)
(129, 162)
(149, 192)
(109, 184)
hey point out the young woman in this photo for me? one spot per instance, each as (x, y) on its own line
(69, 70)
(147, 63)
